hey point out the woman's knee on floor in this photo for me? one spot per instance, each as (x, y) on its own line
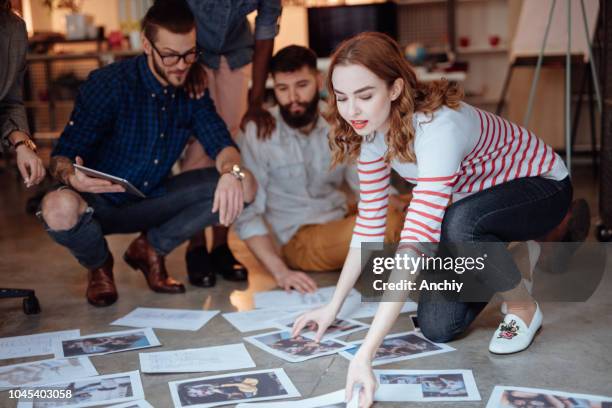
(438, 327)
(61, 209)
(436, 332)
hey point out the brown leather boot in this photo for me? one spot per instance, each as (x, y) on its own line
(565, 239)
(141, 255)
(101, 290)
(575, 225)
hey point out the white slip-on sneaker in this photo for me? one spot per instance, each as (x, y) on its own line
(513, 335)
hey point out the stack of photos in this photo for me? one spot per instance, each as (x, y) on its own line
(105, 343)
(515, 397)
(45, 372)
(232, 388)
(103, 390)
(401, 346)
(338, 328)
(295, 349)
(426, 385)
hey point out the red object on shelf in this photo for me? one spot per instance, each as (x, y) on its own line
(464, 41)
(494, 40)
(115, 40)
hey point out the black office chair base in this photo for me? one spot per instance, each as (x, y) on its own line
(30, 302)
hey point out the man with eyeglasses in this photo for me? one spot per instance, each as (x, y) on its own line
(132, 119)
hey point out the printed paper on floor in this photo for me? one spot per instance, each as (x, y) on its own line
(220, 358)
(33, 345)
(515, 397)
(171, 319)
(399, 347)
(262, 385)
(45, 372)
(92, 391)
(106, 343)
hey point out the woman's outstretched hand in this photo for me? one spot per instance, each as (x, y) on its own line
(322, 316)
(360, 375)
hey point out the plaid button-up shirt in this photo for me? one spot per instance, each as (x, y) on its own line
(127, 124)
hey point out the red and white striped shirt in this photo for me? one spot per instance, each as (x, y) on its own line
(458, 153)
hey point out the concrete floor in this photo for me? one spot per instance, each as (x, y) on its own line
(570, 354)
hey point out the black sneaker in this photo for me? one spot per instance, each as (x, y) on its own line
(230, 268)
(200, 267)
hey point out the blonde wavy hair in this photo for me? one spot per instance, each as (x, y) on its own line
(382, 55)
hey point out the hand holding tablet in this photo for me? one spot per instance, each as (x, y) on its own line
(88, 180)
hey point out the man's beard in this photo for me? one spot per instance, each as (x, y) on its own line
(160, 71)
(303, 119)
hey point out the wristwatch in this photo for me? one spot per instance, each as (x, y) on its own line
(237, 172)
(27, 142)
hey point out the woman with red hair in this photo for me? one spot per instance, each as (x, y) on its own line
(479, 178)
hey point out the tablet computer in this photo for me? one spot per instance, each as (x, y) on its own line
(129, 188)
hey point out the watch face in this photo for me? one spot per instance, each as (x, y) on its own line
(237, 172)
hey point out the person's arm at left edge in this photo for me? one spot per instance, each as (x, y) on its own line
(14, 129)
(266, 28)
(234, 187)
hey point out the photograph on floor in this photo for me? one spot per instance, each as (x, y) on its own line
(232, 389)
(92, 391)
(426, 385)
(339, 327)
(400, 346)
(45, 372)
(106, 343)
(518, 397)
(295, 349)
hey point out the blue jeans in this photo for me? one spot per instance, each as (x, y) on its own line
(519, 210)
(169, 220)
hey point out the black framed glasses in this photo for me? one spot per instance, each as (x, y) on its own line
(172, 59)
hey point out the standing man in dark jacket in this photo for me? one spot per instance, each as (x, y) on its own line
(232, 55)
(14, 131)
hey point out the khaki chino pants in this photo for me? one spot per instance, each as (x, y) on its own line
(324, 247)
